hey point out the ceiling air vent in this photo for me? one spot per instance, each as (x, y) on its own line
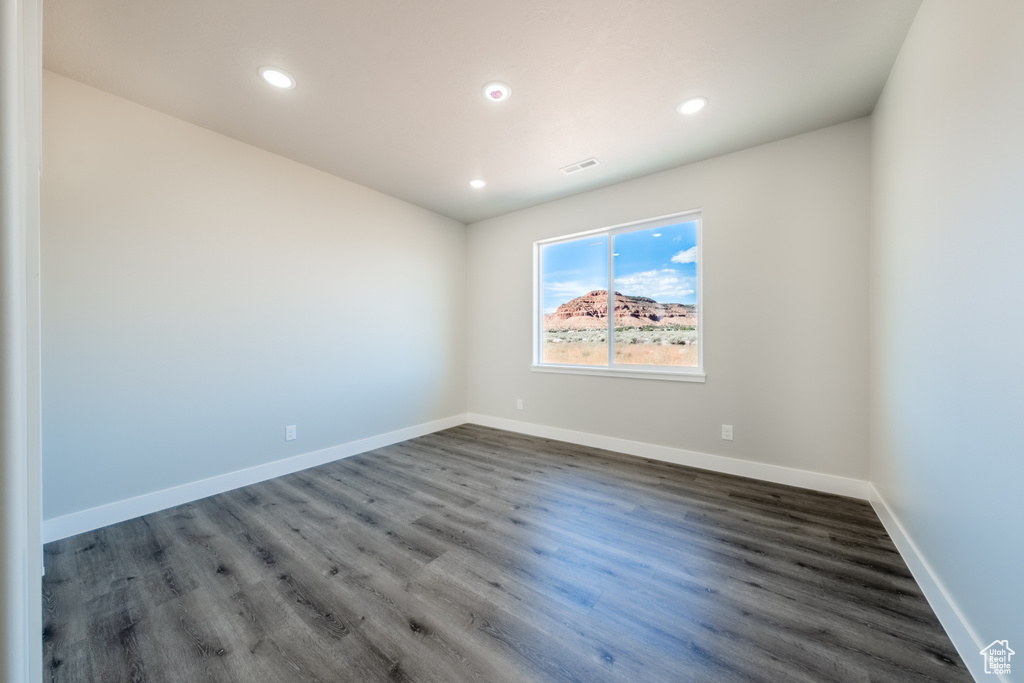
(579, 166)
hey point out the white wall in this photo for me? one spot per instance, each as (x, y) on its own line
(200, 294)
(785, 264)
(947, 349)
(21, 652)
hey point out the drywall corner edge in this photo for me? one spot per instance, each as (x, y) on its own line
(965, 640)
(826, 483)
(123, 510)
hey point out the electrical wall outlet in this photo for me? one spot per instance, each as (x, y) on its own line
(727, 432)
(289, 433)
(519, 404)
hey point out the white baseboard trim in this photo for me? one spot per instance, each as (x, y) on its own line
(827, 483)
(964, 638)
(120, 511)
(112, 513)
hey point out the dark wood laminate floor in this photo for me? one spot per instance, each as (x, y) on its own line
(477, 554)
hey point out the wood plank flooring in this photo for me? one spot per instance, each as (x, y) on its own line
(475, 554)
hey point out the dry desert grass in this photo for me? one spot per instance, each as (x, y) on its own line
(657, 354)
(583, 353)
(576, 353)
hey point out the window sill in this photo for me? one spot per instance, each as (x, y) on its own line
(599, 371)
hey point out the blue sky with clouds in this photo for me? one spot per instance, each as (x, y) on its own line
(659, 263)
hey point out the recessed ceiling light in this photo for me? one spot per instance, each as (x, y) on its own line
(276, 77)
(477, 183)
(692, 105)
(497, 92)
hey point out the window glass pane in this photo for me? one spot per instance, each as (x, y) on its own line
(656, 296)
(574, 294)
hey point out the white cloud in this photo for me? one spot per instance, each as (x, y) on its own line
(687, 256)
(570, 289)
(661, 285)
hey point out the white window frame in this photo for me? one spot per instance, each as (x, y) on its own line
(673, 373)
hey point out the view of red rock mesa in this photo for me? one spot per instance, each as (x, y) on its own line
(646, 332)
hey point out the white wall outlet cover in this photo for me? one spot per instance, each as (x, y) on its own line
(727, 432)
(289, 433)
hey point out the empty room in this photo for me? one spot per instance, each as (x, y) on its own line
(512, 341)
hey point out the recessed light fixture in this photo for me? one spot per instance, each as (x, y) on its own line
(692, 105)
(477, 183)
(497, 92)
(277, 78)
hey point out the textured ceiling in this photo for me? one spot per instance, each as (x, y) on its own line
(389, 91)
